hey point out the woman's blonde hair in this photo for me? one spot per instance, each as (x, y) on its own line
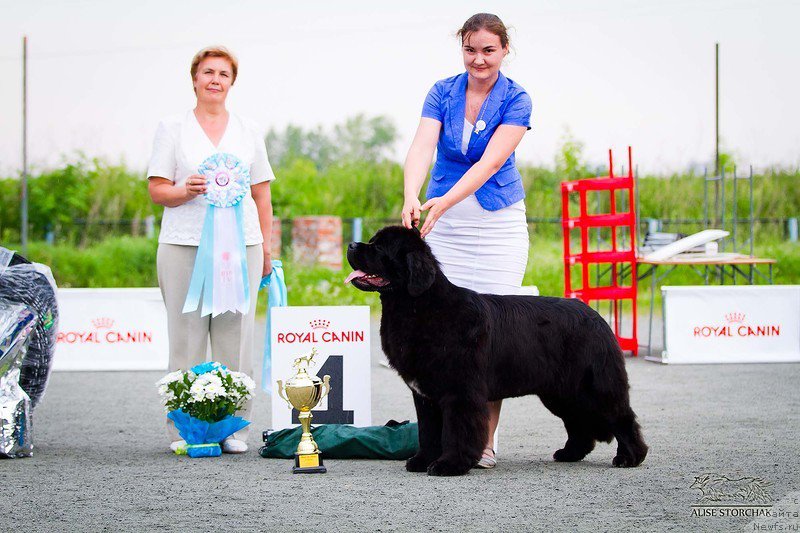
(215, 51)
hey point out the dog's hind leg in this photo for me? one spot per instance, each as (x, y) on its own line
(580, 441)
(631, 449)
(429, 417)
(464, 427)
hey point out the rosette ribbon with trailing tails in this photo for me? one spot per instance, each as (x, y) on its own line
(275, 284)
(219, 278)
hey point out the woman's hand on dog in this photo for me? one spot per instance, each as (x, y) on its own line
(435, 207)
(411, 210)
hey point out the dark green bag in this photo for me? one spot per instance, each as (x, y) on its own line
(395, 440)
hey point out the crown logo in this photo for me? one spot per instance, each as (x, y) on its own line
(735, 317)
(320, 324)
(103, 322)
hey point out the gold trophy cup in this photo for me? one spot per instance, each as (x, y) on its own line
(303, 392)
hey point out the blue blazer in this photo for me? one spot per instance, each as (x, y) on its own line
(507, 103)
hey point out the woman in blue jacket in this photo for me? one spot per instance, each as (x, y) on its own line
(475, 224)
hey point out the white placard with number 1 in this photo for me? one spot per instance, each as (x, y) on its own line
(341, 336)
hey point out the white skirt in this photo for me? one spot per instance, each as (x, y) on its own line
(482, 250)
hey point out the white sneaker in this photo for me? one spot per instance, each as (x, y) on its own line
(488, 459)
(177, 444)
(231, 445)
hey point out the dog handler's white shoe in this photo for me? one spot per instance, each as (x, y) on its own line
(176, 445)
(230, 445)
(487, 460)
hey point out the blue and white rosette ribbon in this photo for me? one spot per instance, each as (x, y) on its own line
(276, 287)
(219, 278)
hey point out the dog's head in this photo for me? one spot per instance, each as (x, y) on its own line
(395, 260)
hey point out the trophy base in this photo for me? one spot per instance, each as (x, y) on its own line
(308, 464)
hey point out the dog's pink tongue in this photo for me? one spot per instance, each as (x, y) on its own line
(353, 275)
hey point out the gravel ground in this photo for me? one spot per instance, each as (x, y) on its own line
(101, 464)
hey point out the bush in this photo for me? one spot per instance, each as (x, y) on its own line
(84, 200)
(114, 262)
(131, 262)
(346, 189)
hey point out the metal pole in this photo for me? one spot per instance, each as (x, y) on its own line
(717, 179)
(705, 198)
(735, 210)
(751, 213)
(716, 108)
(705, 210)
(722, 208)
(357, 229)
(24, 199)
(791, 229)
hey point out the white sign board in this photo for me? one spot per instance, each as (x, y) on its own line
(341, 336)
(731, 324)
(111, 329)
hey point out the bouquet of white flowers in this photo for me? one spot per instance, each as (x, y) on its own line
(202, 403)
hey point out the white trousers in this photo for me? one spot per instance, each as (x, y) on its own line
(486, 251)
(231, 334)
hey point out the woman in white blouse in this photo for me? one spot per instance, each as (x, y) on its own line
(181, 144)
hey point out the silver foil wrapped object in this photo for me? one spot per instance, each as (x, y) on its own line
(32, 285)
(16, 430)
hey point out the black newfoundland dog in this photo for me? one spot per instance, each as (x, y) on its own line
(457, 349)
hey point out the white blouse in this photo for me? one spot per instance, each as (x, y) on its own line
(465, 135)
(180, 146)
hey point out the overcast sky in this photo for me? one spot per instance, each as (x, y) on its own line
(617, 72)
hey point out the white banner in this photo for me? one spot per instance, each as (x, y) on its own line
(111, 329)
(731, 324)
(341, 336)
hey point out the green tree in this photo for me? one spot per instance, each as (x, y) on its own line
(359, 138)
(295, 143)
(569, 158)
(727, 163)
(366, 139)
(10, 192)
(79, 200)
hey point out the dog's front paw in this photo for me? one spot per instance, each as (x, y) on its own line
(418, 463)
(445, 467)
(565, 455)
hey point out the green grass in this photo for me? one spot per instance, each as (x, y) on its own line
(321, 286)
(114, 262)
(545, 266)
(131, 262)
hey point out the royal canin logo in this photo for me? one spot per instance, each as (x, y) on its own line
(736, 327)
(103, 332)
(103, 323)
(320, 324)
(735, 317)
(320, 332)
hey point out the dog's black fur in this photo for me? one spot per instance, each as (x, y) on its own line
(457, 349)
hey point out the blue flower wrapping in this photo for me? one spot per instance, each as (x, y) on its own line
(204, 368)
(198, 433)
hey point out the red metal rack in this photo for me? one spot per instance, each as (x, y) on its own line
(620, 258)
